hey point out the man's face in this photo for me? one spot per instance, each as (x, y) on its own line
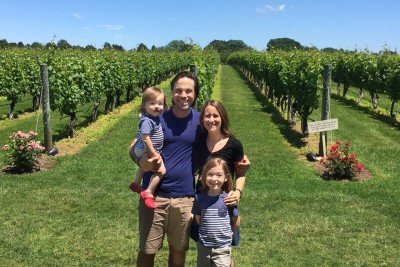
(183, 93)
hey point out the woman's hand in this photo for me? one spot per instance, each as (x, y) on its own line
(232, 198)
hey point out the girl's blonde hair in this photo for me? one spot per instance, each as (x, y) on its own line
(150, 93)
(225, 127)
(215, 162)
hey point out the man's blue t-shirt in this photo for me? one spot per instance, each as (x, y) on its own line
(177, 152)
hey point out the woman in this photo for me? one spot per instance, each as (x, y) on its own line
(217, 141)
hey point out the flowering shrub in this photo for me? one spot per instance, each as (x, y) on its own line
(340, 162)
(23, 151)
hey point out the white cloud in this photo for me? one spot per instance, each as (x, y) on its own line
(110, 27)
(78, 16)
(268, 8)
(88, 28)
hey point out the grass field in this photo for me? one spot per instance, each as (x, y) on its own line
(82, 213)
(34, 121)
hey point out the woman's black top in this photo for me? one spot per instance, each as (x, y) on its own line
(231, 153)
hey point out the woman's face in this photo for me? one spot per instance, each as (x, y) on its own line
(212, 119)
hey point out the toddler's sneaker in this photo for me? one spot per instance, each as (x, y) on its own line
(135, 188)
(148, 199)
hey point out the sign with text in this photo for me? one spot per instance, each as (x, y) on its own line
(322, 126)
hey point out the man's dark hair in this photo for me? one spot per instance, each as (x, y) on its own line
(189, 75)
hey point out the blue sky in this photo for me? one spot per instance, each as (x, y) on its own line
(348, 24)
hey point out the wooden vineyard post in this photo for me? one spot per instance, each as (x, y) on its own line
(48, 142)
(325, 111)
(193, 69)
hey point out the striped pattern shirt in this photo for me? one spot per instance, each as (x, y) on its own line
(215, 224)
(151, 126)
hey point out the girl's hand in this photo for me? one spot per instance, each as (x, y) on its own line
(232, 198)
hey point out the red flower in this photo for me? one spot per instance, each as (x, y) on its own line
(359, 167)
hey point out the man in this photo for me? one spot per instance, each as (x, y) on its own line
(175, 193)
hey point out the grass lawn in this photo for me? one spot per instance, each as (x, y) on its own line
(25, 105)
(82, 213)
(28, 121)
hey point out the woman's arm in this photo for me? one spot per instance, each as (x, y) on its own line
(241, 167)
(198, 218)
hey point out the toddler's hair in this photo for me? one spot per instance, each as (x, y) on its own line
(214, 162)
(150, 93)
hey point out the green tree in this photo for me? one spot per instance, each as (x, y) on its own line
(107, 46)
(118, 47)
(63, 44)
(283, 44)
(37, 45)
(3, 43)
(142, 47)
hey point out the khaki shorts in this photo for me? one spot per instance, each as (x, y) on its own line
(218, 257)
(172, 216)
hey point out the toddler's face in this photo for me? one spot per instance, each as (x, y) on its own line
(155, 106)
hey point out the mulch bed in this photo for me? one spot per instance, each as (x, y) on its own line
(323, 172)
(45, 162)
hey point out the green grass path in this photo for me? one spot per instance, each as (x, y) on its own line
(290, 215)
(82, 213)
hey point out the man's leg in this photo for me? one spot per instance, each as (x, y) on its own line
(180, 214)
(176, 258)
(145, 260)
(151, 230)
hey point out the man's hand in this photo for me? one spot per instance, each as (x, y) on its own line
(155, 163)
(242, 166)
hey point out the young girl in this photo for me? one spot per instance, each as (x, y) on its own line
(216, 220)
(150, 140)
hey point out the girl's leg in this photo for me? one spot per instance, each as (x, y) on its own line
(203, 256)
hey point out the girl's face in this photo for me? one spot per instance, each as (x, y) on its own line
(215, 179)
(155, 106)
(212, 119)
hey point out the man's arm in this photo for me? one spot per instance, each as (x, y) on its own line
(152, 163)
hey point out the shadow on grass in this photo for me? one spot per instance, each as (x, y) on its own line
(353, 104)
(62, 132)
(16, 113)
(293, 137)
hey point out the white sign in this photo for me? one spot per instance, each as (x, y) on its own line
(322, 126)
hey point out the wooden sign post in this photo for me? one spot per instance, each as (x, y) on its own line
(325, 109)
(323, 126)
(48, 141)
